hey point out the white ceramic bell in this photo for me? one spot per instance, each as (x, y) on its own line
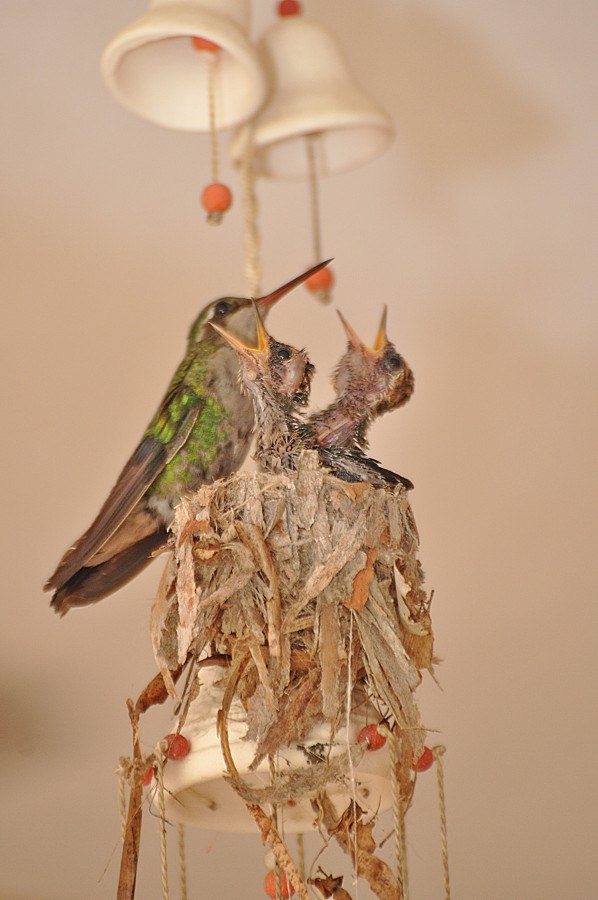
(153, 69)
(196, 794)
(313, 93)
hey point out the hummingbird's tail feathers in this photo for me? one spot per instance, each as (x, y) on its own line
(93, 583)
(141, 470)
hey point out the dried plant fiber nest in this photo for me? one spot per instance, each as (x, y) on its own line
(309, 588)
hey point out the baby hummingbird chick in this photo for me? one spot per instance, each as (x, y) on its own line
(278, 378)
(369, 381)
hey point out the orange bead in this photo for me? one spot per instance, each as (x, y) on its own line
(320, 281)
(202, 43)
(216, 198)
(426, 761)
(372, 737)
(289, 8)
(177, 746)
(286, 889)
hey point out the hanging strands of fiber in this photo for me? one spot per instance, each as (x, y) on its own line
(439, 752)
(212, 61)
(182, 862)
(122, 799)
(162, 820)
(348, 707)
(251, 235)
(398, 813)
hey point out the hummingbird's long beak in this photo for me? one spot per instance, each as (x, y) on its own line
(252, 354)
(269, 299)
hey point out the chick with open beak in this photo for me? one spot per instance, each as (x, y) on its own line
(369, 381)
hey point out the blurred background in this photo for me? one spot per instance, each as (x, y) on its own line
(478, 228)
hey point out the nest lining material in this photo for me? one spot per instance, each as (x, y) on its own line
(300, 582)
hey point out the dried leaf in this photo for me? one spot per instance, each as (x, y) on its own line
(361, 582)
(331, 652)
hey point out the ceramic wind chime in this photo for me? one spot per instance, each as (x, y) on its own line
(190, 66)
(293, 604)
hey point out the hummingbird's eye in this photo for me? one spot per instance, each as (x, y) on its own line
(222, 308)
(393, 361)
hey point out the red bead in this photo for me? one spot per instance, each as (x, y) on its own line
(426, 761)
(178, 746)
(216, 198)
(372, 737)
(289, 8)
(321, 280)
(202, 43)
(286, 889)
(148, 776)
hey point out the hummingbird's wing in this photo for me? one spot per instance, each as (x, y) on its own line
(354, 465)
(139, 473)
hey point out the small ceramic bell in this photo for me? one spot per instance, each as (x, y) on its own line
(313, 93)
(154, 68)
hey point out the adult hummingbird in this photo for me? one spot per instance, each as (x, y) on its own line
(369, 381)
(277, 377)
(201, 431)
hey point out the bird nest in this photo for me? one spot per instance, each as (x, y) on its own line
(308, 590)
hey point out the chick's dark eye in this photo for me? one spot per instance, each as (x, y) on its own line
(393, 361)
(222, 308)
(283, 353)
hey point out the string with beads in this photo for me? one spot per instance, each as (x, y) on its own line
(159, 770)
(320, 283)
(398, 812)
(349, 704)
(216, 197)
(182, 861)
(277, 877)
(122, 799)
(439, 752)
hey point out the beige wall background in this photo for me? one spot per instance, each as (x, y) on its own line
(478, 228)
